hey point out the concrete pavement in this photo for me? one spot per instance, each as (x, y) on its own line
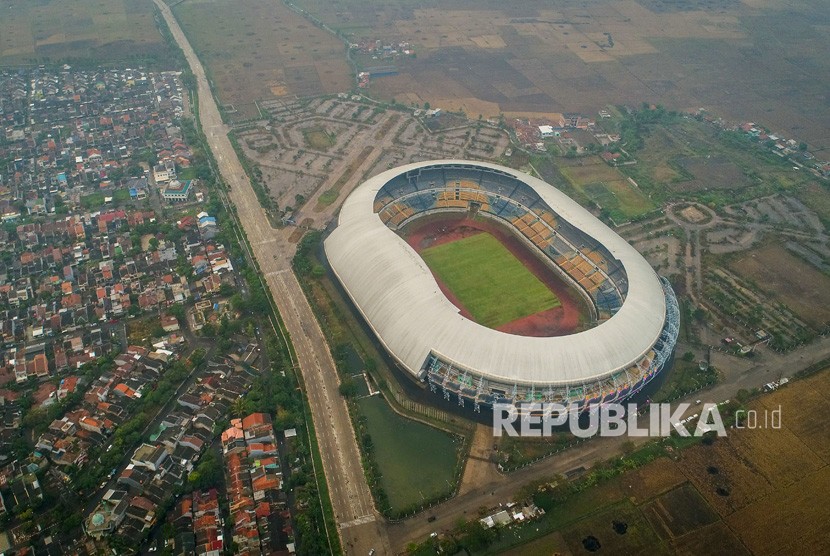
(359, 526)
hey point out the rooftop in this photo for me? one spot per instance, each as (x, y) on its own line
(387, 279)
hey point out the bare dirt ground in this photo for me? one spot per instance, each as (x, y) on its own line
(800, 286)
(479, 468)
(258, 50)
(578, 56)
(100, 32)
(559, 321)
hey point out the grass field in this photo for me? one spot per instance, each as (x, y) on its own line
(417, 462)
(96, 200)
(688, 158)
(607, 187)
(492, 284)
(318, 138)
(816, 197)
(683, 377)
(93, 31)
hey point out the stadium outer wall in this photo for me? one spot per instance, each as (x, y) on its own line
(445, 379)
(466, 385)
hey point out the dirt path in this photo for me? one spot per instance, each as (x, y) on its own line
(479, 470)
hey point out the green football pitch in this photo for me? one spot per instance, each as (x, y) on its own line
(488, 280)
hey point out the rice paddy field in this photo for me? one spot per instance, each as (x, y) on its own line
(261, 50)
(756, 491)
(755, 60)
(88, 31)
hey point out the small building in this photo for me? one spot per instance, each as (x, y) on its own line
(149, 456)
(190, 401)
(207, 226)
(498, 519)
(91, 424)
(25, 491)
(169, 323)
(108, 515)
(161, 174)
(546, 131)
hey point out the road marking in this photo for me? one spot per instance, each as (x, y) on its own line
(358, 521)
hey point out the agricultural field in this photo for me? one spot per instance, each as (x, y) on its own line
(757, 491)
(259, 50)
(488, 280)
(88, 32)
(769, 501)
(678, 512)
(789, 279)
(748, 306)
(524, 56)
(788, 522)
(801, 403)
(816, 197)
(625, 530)
(417, 462)
(606, 187)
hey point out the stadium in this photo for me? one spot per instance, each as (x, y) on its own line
(494, 287)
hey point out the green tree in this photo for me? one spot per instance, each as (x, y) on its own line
(177, 311)
(226, 290)
(240, 408)
(348, 388)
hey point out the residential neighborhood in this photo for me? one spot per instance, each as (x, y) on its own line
(127, 335)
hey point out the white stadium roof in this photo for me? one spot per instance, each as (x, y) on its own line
(398, 296)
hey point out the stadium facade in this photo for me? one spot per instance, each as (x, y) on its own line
(635, 311)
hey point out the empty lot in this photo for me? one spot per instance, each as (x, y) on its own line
(800, 286)
(260, 49)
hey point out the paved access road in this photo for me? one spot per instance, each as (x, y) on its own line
(737, 373)
(359, 526)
